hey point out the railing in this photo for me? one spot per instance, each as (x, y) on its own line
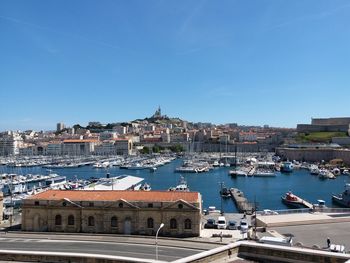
(304, 210)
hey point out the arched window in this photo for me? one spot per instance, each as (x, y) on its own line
(188, 224)
(58, 220)
(114, 221)
(71, 220)
(173, 223)
(150, 223)
(91, 221)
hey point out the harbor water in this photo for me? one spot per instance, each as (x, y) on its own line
(267, 191)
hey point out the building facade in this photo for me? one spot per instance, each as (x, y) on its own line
(122, 212)
(79, 147)
(123, 146)
(10, 143)
(1, 206)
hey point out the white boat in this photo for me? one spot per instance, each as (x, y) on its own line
(314, 170)
(181, 187)
(145, 187)
(235, 173)
(264, 173)
(325, 174)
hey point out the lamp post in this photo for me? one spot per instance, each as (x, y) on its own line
(81, 211)
(161, 225)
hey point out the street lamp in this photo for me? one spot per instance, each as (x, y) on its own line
(81, 211)
(161, 225)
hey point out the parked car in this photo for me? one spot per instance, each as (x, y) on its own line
(221, 222)
(232, 225)
(210, 223)
(243, 226)
(269, 212)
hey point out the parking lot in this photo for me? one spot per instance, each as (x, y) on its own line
(228, 235)
(316, 234)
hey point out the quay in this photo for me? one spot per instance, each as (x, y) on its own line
(242, 203)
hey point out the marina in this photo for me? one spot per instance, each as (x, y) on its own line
(209, 183)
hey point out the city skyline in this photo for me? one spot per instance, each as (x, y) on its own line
(253, 63)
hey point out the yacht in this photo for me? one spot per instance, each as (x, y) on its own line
(287, 167)
(264, 173)
(235, 173)
(181, 187)
(325, 174)
(343, 199)
(56, 182)
(314, 170)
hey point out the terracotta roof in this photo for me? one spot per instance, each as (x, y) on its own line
(79, 141)
(108, 195)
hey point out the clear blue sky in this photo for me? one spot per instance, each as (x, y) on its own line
(251, 62)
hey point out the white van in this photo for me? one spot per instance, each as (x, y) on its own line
(221, 223)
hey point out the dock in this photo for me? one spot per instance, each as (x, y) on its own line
(242, 203)
(304, 202)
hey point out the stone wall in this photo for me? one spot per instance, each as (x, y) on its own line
(331, 121)
(314, 155)
(306, 128)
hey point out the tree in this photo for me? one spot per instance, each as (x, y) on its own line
(177, 148)
(144, 150)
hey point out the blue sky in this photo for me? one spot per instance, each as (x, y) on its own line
(251, 62)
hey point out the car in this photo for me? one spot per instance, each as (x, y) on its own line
(269, 212)
(232, 225)
(221, 222)
(243, 226)
(210, 223)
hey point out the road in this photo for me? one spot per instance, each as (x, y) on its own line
(317, 234)
(168, 250)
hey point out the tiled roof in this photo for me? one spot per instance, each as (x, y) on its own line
(110, 195)
(80, 141)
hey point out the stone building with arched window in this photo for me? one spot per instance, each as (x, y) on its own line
(122, 212)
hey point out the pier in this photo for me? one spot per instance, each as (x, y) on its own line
(304, 202)
(242, 203)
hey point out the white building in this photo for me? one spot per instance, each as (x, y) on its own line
(120, 129)
(10, 142)
(106, 148)
(79, 147)
(60, 126)
(107, 135)
(123, 146)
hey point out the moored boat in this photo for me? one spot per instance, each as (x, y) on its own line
(292, 200)
(343, 199)
(287, 167)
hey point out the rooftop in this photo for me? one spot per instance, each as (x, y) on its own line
(91, 195)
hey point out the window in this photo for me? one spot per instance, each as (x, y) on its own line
(91, 221)
(188, 224)
(91, 204)
(150, 205)
(120, 205)
(64, 204)
(58, 220)
(173, 223)
(71, 220)
(36, 203)
(114, 221)
(150, 223)
(180, 206)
